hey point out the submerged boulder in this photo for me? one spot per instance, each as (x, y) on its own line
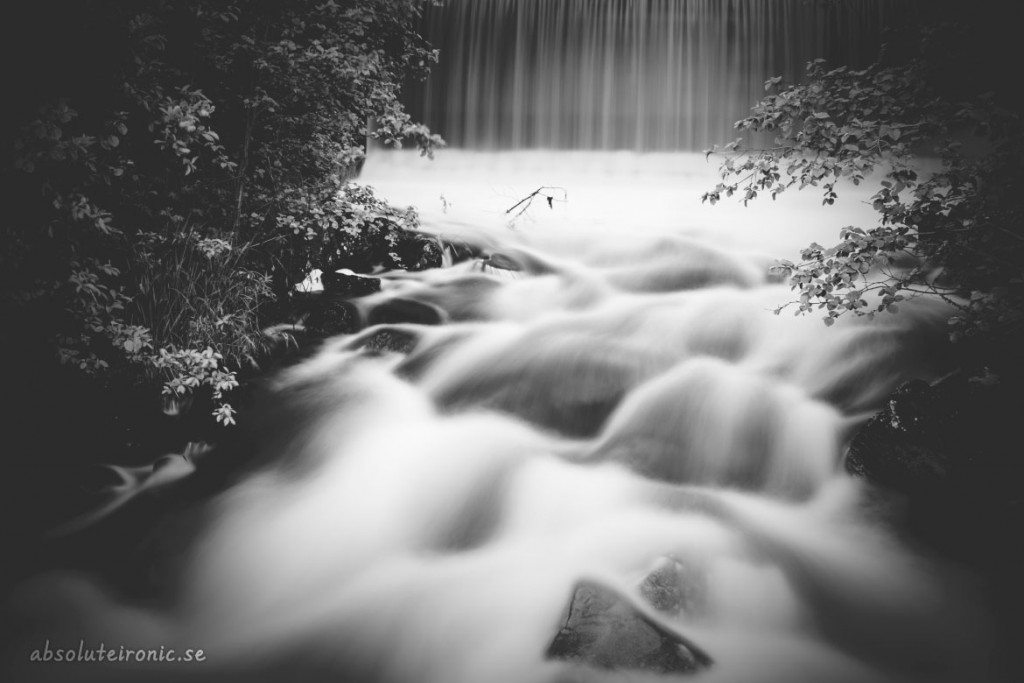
(605, 628)
(389, 340)
(675, 587)
(401, 310)
(500, 263)
(458, 249)
(950, 452)
(907, 446)
(331, 315)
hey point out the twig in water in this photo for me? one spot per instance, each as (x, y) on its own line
(526, 201)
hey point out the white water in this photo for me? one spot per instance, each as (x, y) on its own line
(632, 397)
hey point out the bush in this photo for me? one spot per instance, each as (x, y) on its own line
(956, 233)
(192, 164)
(344, 226)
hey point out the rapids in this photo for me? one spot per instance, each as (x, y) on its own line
(624, 395)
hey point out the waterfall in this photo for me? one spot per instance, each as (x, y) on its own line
(625, 74)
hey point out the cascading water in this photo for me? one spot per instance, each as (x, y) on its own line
(608, 395)
(614, 399)
(625, 74)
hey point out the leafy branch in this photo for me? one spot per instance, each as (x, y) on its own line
(955, 233)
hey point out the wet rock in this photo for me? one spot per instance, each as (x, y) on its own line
(345, 283)
(604, 628)
(405, 311)
(906, 446)
(389, 340)
(675, 587)
(527, 262)
(930, 436)
(501, 261)
(499, 265)
(457, 250)
(331, 315)
(419, 252)
(950, 452)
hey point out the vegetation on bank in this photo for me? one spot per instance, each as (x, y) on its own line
(956, 233)
(177, 166)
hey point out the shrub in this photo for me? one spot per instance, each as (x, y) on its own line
(954, 233)
(341, 227)
(181, 160)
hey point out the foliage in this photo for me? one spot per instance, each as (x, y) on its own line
(953, 230)
(341, 227)
(196, 293)
(195, 164)
(189, 369)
